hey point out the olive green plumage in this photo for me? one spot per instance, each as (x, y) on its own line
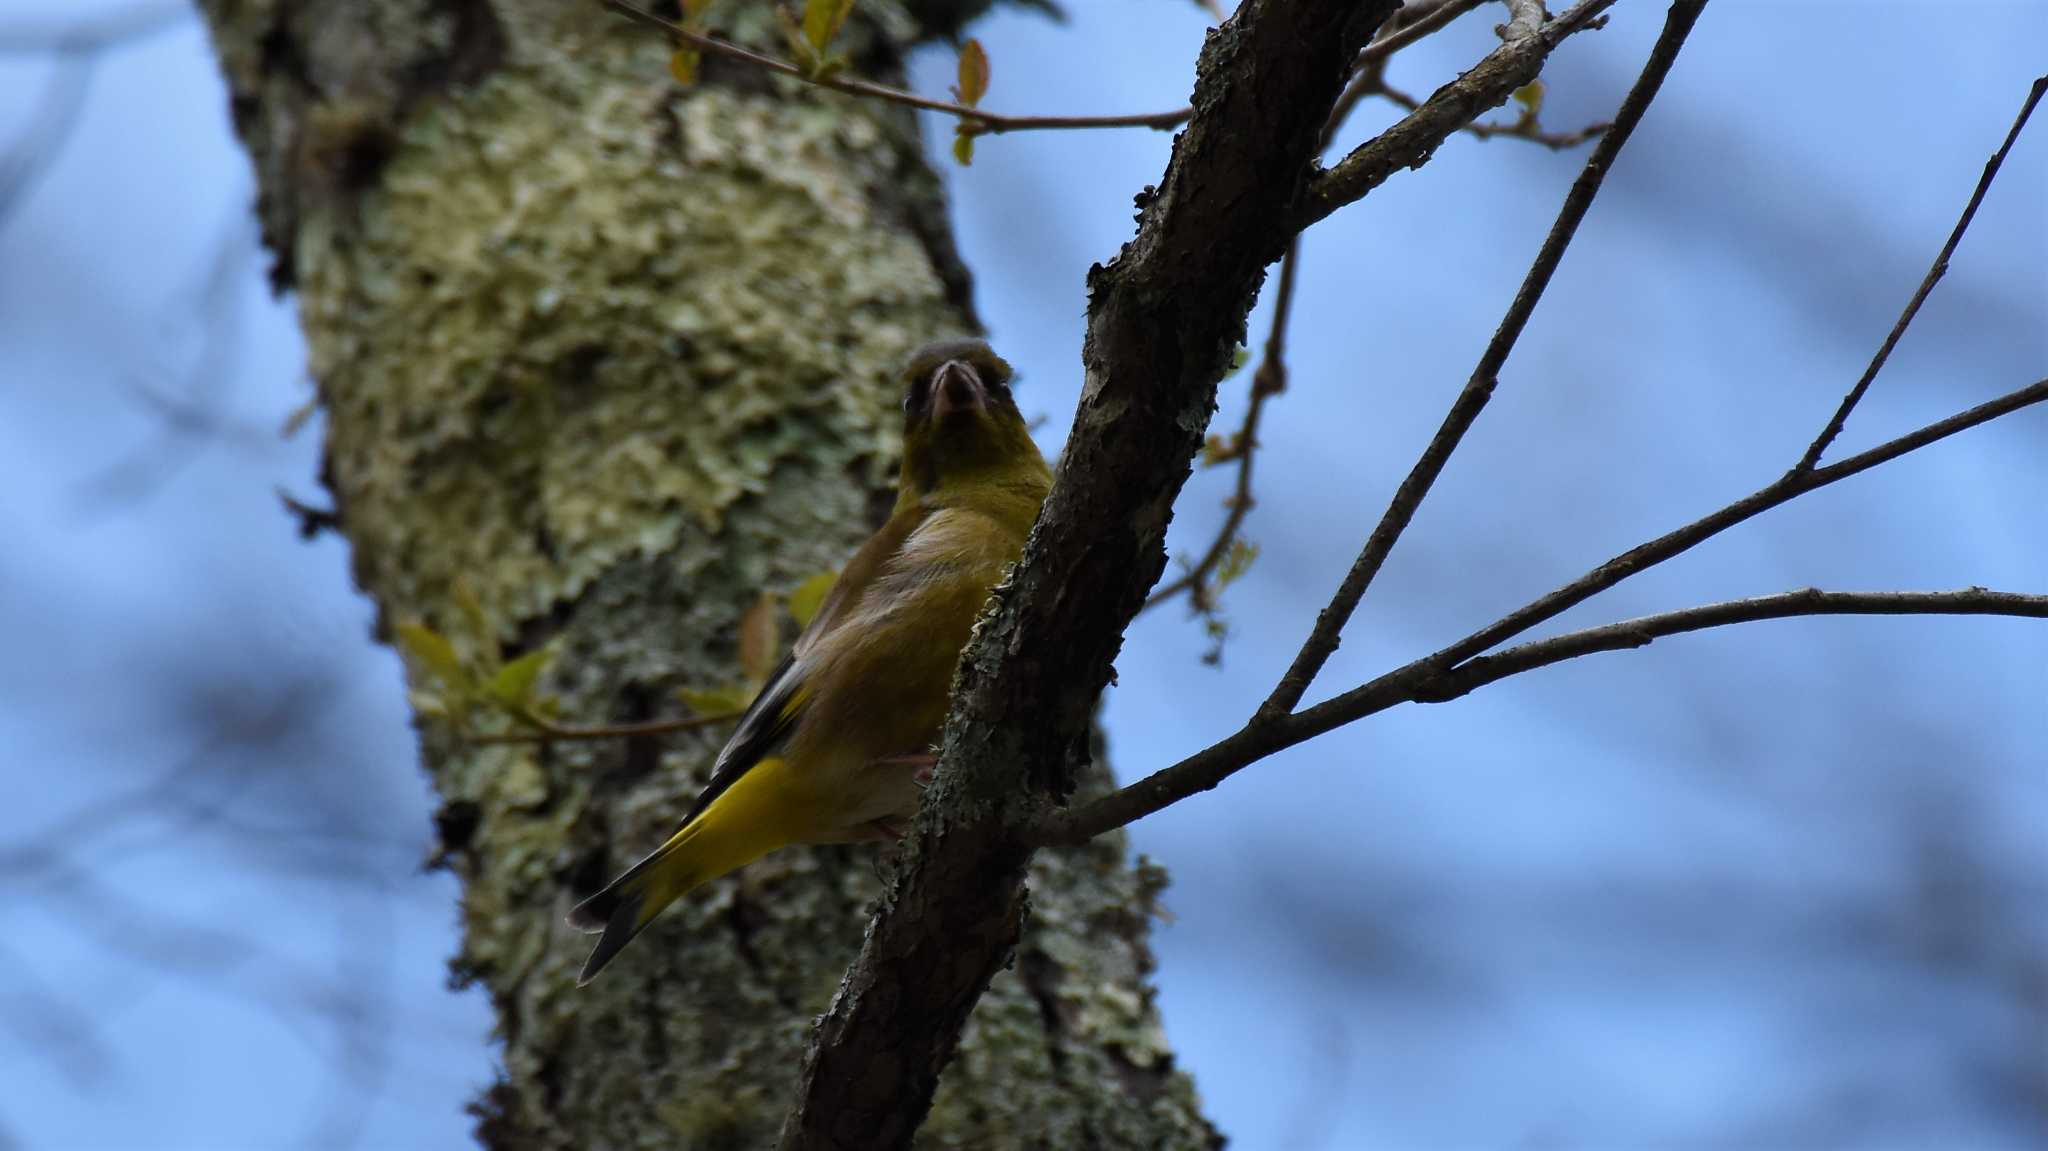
(831, 749)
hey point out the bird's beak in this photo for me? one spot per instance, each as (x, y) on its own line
(956, 387)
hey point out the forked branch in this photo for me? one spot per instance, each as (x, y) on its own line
(1462, 666)
(1478, 390)
(1934, 274)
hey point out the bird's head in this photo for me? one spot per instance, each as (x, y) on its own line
(960, 425)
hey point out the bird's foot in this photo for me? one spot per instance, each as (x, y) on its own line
(923, 762)
(888, 829)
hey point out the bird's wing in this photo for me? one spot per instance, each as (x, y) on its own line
(763, 725)
(779, 704)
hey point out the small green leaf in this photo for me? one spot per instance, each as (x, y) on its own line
(682, 64)
(431, 650)
(822, 21)
(693, 12)
(1237, 559)
(1241, 356)
(717, 700)
(481, 633)
(973, 75)
(1218, 450)
(809, 596)
(1530, 97)
(963, 146)
(514, 682)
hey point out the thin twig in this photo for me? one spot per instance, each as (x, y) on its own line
(545, 731)
(1407, 143)
(1253, 742)
(51, 125)
(1934, 274)
(1268, 379)
(1210, 766)
(1523, 127)
(1640, 632)
(1395, 39)
(1271, 376)
(1792, 484)
(1373, 61)
(976, 119)
(1323, 639)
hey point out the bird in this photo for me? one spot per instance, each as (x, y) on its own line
(836, 746)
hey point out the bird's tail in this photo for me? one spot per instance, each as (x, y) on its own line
(745, 823)
(634, 899)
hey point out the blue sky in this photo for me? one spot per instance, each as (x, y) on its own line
(1776, 886)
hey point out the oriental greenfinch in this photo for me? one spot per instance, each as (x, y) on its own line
(836, 745)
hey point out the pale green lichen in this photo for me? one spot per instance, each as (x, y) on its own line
(597, 436)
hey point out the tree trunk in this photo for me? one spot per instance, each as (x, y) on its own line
(615, 356)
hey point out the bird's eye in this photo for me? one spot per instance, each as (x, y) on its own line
(918, 396)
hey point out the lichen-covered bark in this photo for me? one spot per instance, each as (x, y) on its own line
(614, 356)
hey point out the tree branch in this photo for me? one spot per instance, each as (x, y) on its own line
(1268, 379)
(1524, 127)
(1477, 673)
(1271, 376)
(1393, 39)
(1787, 487)
(1253, 742)
(1410, 142)
(1163, 320)
(1323, 639)
(1934, 274)
(543, 730)
(979, 120)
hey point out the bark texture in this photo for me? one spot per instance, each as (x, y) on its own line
(614, 355)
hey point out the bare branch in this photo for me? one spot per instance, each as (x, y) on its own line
(1210, 766)
(1268, 379)
(1323, 639)
(1372, 62)
(1522, 128)
(542, 730)
(1253, 742)
(1640, 632)
(50, 127)
(1934, 274)
(1410, 142)
(1787, 487)
(976, 119)
(1271, 375)
(1394, 38)
(194, 416)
